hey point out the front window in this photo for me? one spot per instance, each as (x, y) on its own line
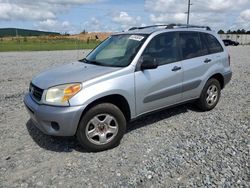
(163, 48)
(116, 51)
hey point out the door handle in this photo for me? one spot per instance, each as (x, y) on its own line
(207, 60)
(176, 68)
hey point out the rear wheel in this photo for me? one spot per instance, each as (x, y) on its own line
(101, 128)
(210, 95)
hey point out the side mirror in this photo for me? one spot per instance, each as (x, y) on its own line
(148, 62)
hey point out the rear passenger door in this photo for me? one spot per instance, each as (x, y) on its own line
(195, 63)
(200, 51)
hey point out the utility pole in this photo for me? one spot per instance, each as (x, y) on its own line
(16, 33)
(188, 12)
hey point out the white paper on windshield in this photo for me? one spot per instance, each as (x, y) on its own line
(136, 37)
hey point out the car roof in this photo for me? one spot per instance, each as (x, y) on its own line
(141, 31)
(167, 28)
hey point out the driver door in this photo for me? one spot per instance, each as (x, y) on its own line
(159, 87)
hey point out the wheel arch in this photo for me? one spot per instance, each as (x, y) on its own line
(115, 99)
(219, 77)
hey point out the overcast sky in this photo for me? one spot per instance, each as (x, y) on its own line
(74, 16)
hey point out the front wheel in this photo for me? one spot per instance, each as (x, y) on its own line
(101, 128)
(210, 95)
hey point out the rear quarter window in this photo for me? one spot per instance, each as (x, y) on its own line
(213, 44)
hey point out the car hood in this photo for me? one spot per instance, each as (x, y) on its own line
(70, 73)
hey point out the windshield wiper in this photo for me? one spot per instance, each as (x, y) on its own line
(84, 60)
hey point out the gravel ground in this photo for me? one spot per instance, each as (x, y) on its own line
(176, 147)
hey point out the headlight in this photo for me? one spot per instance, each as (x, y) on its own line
(60, 95)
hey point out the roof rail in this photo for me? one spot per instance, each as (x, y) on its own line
(172, 26)
(149, 26)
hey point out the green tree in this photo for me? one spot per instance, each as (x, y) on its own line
(238, 31)
(221, 31)
(243, 31)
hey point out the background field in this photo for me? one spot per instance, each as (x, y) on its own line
(50, 43)
(179, 147)
(44, 44)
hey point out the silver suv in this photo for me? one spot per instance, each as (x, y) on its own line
(128, 75)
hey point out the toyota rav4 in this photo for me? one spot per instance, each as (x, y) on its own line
(129, 75)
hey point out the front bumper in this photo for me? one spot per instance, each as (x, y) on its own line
(52, 120)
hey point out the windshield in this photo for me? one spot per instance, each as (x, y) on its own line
(116, 51)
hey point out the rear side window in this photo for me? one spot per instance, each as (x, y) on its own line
(191, 45)
(212, 43)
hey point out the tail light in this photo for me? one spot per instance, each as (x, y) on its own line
(229, 60)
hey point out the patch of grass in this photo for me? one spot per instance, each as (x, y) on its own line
(45, 44)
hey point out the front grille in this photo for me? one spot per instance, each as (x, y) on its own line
(36, 92)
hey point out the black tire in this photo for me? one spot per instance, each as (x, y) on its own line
(202, 102)
(103, 108)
